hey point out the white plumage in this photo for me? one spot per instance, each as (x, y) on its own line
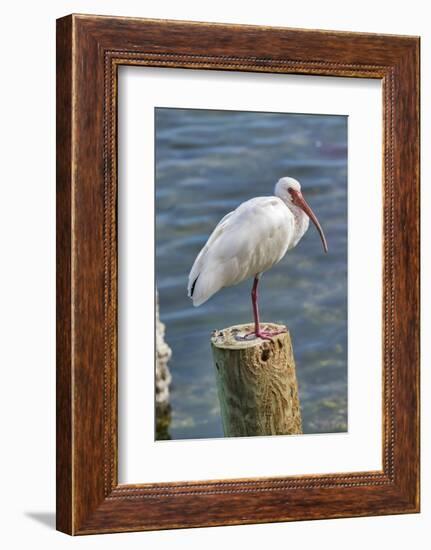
(247, 241)
(250, 240)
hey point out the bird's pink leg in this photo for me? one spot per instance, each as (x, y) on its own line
(263, 334)
(254, 299)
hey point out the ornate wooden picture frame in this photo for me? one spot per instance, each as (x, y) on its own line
(89, 51)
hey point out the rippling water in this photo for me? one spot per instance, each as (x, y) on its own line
(208, 162)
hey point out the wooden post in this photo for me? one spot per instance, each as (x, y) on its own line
(256, 383)
(163, 379)
(163, 354)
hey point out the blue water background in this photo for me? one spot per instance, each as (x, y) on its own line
(207, 163)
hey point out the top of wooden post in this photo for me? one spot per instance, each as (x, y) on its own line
(234, 337)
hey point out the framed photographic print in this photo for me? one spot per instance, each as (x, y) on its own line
(237, 274)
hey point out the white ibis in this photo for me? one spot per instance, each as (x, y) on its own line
(250, 240)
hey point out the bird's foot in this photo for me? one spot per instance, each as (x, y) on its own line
(263, 334)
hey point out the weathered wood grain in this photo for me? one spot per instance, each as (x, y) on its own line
(256, 382)
(90, 49)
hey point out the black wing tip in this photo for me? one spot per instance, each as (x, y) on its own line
(193, 286)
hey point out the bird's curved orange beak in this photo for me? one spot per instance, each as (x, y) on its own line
(299, 200)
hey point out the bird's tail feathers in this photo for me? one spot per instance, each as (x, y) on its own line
(203, 286)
